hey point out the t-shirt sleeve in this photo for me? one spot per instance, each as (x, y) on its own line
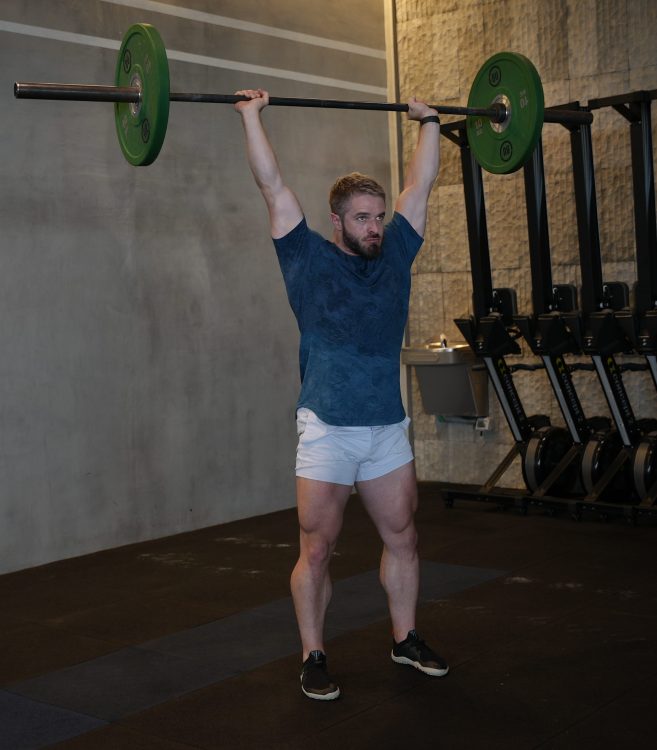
(405, 237)
(290, 247)
(293, 252)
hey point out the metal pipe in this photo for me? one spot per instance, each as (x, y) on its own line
(568, 116)
(496, 113)
(76, 92)
(80, 92)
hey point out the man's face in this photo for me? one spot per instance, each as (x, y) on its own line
(362, 224)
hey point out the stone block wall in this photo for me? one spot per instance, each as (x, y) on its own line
(583, 49)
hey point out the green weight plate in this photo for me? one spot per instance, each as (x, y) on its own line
(510, 78)
(143, 63)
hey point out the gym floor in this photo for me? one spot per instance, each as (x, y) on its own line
(549, 626)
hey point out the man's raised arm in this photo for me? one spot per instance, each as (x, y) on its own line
(422, 169)
(285, 211)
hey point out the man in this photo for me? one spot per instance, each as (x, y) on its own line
(350, 297)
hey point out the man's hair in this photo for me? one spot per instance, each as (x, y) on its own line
(352, 184)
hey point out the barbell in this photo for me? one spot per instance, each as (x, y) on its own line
(505, 111)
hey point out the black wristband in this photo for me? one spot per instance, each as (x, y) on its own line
(430, 118)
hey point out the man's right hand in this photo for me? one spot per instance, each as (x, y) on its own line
(417, 109)
(258, 100)
(284, 209)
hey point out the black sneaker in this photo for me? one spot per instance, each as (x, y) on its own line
(415, 652)
(315, 680)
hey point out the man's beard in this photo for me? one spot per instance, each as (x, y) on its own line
(368, 250)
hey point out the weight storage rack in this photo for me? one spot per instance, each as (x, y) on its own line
(550, 334)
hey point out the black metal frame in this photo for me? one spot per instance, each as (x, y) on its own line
(640, 324)
(487, 333)
(547, 332)
(600, 336)
(554, 330)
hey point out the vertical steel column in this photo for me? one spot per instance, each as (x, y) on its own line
(645, 223)
(542, 298)
(600, 337)
(537, 229)
(475, 209)
(587, 219)
(490, 331)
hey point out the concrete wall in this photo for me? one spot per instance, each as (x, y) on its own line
(583, 49)
(149, 371)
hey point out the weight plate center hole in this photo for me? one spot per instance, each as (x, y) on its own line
(500, 127)
(135, 82)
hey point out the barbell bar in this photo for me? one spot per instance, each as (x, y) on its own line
(78, 92)
(505, 111)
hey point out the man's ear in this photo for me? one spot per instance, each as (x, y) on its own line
(337, 222)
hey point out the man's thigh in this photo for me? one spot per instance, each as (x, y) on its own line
(320, 506)
(391, 500)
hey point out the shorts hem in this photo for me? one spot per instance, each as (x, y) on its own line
(310, 474)
(364, 476)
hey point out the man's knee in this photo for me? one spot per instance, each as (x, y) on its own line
(316, 550)
(402, 538)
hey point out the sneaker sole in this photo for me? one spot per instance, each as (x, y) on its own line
(320, 697)
(427, 670)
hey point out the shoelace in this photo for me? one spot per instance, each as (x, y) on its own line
(316, 661)
(421, 646)
(415, 639)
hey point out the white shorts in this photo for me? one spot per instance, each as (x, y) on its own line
(344, 455)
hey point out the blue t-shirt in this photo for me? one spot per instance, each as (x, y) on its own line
(351, 314)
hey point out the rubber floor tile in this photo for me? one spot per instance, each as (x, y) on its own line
(120, 683)
(114, 737)
(28, 725)
(34, 649)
